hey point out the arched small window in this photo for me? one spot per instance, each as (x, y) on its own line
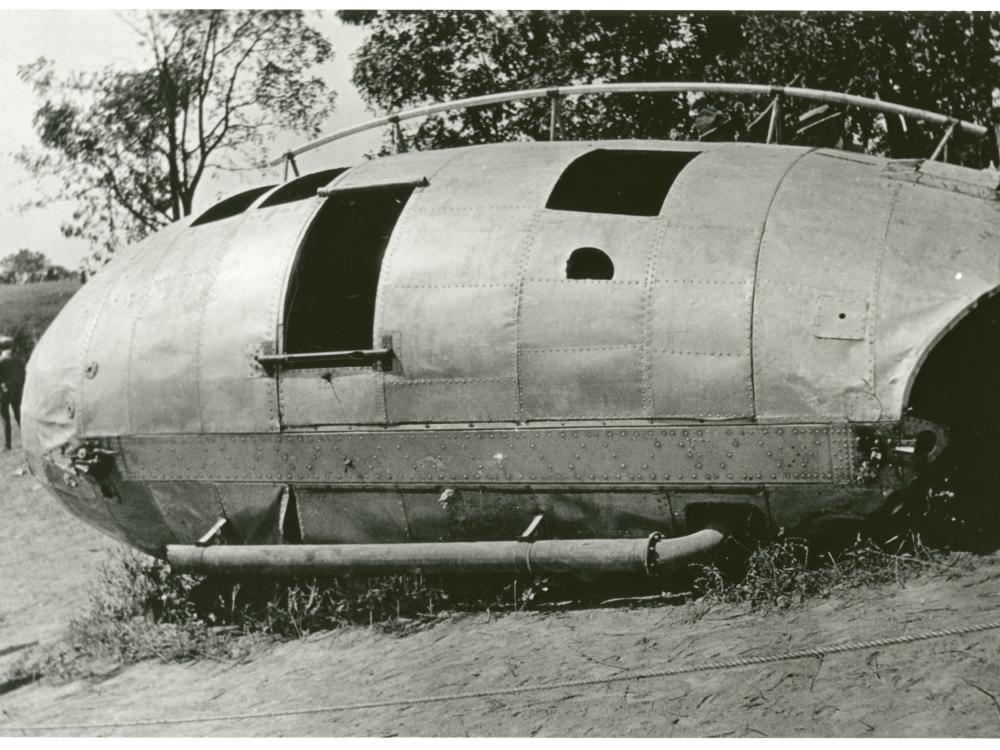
(231, 206)
(589, 263)
(302, 187)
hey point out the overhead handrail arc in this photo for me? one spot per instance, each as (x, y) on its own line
(747, 89)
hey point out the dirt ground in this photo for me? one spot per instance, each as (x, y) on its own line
(945, 687)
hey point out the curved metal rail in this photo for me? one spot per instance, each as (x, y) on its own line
(556, 92)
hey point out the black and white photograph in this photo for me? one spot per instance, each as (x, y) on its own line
(494, 373)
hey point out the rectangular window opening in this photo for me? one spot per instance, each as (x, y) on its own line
(331, 302)
(608, 181)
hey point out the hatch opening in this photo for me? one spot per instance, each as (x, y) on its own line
(331, 302)
(613, 181)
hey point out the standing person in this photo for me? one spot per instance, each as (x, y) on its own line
(11, 386)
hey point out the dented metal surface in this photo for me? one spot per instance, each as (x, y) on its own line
(759, 336)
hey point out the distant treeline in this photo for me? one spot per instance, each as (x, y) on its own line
(27, 267)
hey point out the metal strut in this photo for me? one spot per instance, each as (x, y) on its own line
(942, 148)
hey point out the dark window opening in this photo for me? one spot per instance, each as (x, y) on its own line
(302, 187)
(619, 182)
(234, 204)
(331, 302)
(589, 263)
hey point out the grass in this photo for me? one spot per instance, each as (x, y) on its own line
(26, 310)
(787, 572)
(140, 610)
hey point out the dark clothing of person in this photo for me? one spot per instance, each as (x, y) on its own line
(11, 389)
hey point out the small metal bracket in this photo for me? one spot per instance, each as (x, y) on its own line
(398, 141)
(290, 162)
(91, 459)
(530, 533)
(420, 182)
(213, 534)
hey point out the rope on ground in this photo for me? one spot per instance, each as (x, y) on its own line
(820, 651)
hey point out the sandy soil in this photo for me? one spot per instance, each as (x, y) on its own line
(945, 687)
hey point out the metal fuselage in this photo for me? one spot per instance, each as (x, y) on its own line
(755, 346)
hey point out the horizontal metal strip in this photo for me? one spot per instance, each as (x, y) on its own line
(449, 381)
(702, 354)
(609, 347)
(558, 280)
(720, 454)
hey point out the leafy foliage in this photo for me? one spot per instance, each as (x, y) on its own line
(25, 266)
(129, 148)
(940, 61)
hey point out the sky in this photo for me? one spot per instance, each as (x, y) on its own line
(77, 40)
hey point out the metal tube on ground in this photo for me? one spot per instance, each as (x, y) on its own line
(645, 556)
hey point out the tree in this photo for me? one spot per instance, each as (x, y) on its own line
(940, 61)
(129, 148)
(25, 266)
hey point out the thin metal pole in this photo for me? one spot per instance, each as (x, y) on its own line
(554, 115)
(290, 162)
(743, 89)
(774, 126)
(942, 147)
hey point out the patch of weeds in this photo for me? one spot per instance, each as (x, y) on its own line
(788, 571)
(140, 610)
(137, 610)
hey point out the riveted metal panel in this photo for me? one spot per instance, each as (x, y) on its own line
(137, 515)
(459, 244)
(824, 236)
(331, 396)
(804, 510)
(451, 400)
(188, 508)
(724, 454)
(701, 384)
(582, 382)
(476, 513)
(840, 318)
(164, 359)
(252, 511)
(502, 175)
(327, 517)
(703, 274)
(729, 186)
(240, 316)
(416, 165)
(82, 498)
(563, 313)
(56, 372)
(104, 407)
(702, 317)
(581, 342)
(627, 240)
(941, 257)
(454, 332)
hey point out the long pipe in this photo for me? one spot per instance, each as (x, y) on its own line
(751, 89)
(646, 556)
